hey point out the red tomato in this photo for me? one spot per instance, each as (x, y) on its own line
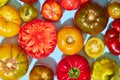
(29, 1)
(51, 10)
(70, 4)
(116, 25)
(112, 40)
(38, 38)
(73, 67)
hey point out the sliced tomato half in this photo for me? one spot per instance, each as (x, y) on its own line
(38, 38)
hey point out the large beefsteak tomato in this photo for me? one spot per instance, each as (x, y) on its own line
(38, 38)
(73, 67)
(91, 18)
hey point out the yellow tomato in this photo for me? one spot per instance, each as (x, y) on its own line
(14, 62)
(94, 47)
(10, 21)
(3, 2)
(70, 40)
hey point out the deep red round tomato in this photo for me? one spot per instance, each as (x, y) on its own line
(52, 10)
(38, 38)
(29, 1)
(112, 40)
(116, 25)
(91, 18)
(70, 4)
(73, 67)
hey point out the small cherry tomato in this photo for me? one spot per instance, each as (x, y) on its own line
(113, 9)
(28, 12)
(51, 10)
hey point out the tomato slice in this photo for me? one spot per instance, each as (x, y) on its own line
(94, 47)
(38, 38)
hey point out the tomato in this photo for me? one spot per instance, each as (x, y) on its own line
(91, 18)
(70, 4)
(3, 2)
(70, 40)
(51, 10)
(28, 12)
(113, 9)
(73, 67)
(29, 1)
(116, 25)
(14, 62)
(9, 23)
(38, 38)
(94, 47)
(41, 72)
(112, 40)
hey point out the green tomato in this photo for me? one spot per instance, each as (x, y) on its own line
(28, 12)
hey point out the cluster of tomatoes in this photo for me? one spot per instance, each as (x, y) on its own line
(37, 38)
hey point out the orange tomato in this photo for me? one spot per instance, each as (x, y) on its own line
(70, 40)
(10, 21)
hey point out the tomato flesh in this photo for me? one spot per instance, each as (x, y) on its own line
(38, 38)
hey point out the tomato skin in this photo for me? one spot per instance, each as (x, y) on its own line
(28, 12)
(10, 24)
(38, 38)
(91, 18)
(112, 40)
(116, 25)
(52, 10)
(69, 42)
(41, 72)
(17, 59)
(70, 4)
(73, 61)
(29, 1)
(113, 9)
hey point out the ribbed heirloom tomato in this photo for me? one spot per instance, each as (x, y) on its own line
(38, 38)
(10, 21)
(73, 67)
(14, 62)
(70, 40)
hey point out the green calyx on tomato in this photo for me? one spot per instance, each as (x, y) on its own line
(73, 67)
(28, 12)
(74, 72)
(91, 18)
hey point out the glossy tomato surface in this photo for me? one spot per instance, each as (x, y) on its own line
(91, 18)
(28, 12)
(9, 23)
(113, 9)
(116, 25)
(112, 40)
(38, 38)
(70, 40)
(52, 10)
(73, 67)
(14, 62)
(41, 72)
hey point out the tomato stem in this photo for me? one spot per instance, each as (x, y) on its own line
(69, 40)
(74, 72)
